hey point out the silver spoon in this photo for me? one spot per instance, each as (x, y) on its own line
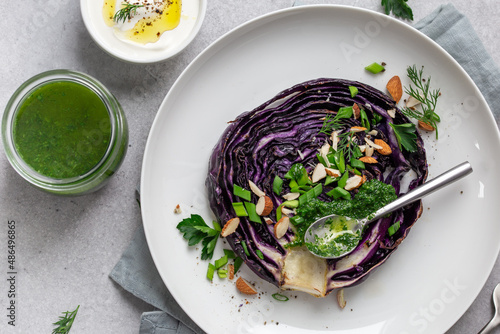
(318, 229)
(496, 318)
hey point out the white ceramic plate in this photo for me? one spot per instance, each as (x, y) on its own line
(437, 271)
(171, 42)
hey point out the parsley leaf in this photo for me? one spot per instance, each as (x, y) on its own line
(399, 8)
(405, 133)
(195, 230)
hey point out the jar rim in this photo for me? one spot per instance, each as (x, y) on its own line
(74, 183)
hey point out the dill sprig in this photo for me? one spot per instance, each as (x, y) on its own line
(65, 322)
(126, 12)
(330, 123)
(427, 98)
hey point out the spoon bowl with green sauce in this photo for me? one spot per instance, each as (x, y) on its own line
(333, 236)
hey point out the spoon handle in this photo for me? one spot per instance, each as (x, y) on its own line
(425, 189)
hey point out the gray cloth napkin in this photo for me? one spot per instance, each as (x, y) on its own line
(136, 271)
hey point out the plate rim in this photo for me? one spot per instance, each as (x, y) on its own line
(247, 27)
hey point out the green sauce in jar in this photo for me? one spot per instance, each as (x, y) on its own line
(62, 129)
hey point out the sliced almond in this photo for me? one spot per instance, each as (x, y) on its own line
(373, 133)
(291, 196)
(357, 129)
(230, 269)
(268, 220)
(368, 160)
(340, 298)
(332, 172)
(324, 149)
(256, 190)
(395, 88)
(245, 287)
(372, 144)
(353, 182)
(425, 126)
(356, 111)
(385, 150)
(281, 227)
(335, 140)
(287, 212)
(369, 151)
(264, 206)
(318, 173)
(412, 102)
(177, 209)
(362, 148)
(231, 226)
(392, 112)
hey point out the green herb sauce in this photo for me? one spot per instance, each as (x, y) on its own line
(62, 129)
(337, 239)
(372, 195)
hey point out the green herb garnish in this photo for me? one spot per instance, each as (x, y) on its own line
(242, 193)
(194, 230)
(239, 209)
(126, 12)
(65, 322)
(210, 272)
(399, 8)
(427, 98)
(405, 134)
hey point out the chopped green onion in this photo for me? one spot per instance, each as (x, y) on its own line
(365, 122)
(245, 249)
(277, 185)
(291, 204)
(222, 273)
(353, 90)
(280, 297)
(229, 253)
(237, 264)
(355, 163)
(344, 112)
(375, 68)
(239, 209)
(321, 160)
(259, 254)
(338, 192)
(243, 193)
(297, 220)
(221, 262)
(278, 212)
(393, 228)
(210, 272)
(313, 193)
(252, 213)
(343, 180)
(317, 190)
(339, 161)
(330, 179)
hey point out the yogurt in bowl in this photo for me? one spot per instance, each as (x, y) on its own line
(143, 31)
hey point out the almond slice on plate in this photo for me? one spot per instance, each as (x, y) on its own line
(395, 88)
(353, 182)
(256, 190)
(231, 226)
(318, 173)
(385, 150)
(340, 298)
(264, 206)
(425, 126)
(368, 160)
(291, 196)
(332, 172)
(281, 227)
(245, 287)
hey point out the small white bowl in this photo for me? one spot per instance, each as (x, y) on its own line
(171, 42)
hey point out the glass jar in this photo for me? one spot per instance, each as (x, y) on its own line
(64, 132)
